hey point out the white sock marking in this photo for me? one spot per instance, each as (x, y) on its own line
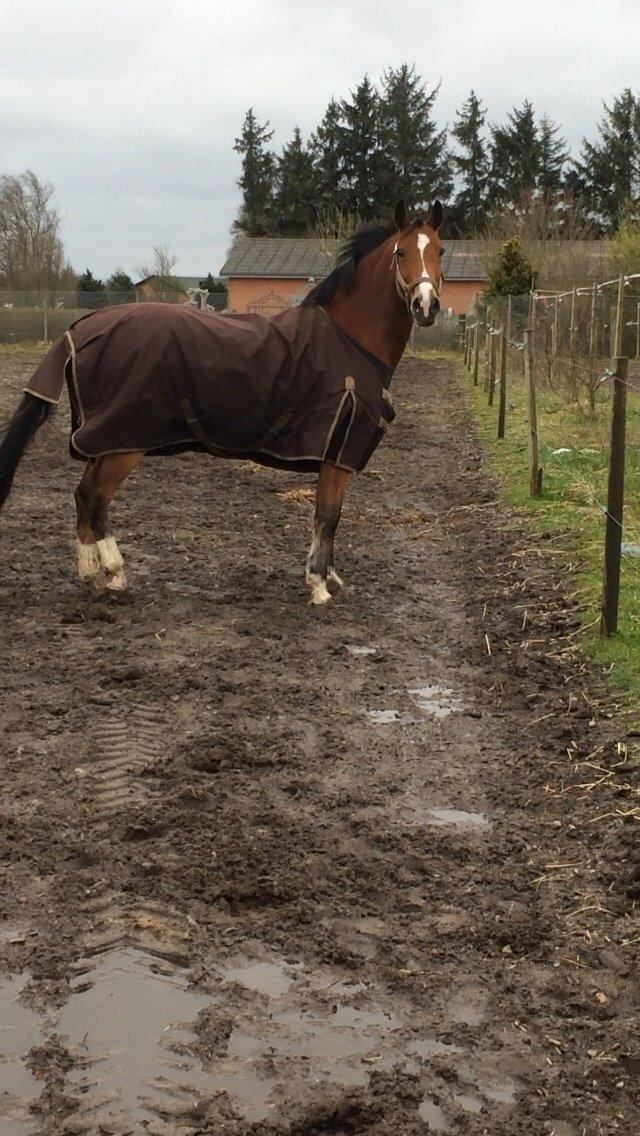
(88, 560)
(110, 555)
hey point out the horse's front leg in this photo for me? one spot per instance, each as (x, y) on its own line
(332, 485)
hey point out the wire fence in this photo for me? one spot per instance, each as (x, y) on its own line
(574, 352)
(30, 317)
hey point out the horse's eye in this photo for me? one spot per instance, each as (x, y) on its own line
(400, 252)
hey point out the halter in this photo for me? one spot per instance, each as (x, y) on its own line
(404, 290)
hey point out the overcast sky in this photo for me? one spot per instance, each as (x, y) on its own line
(130, 109)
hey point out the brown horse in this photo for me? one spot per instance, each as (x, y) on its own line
(387, 277)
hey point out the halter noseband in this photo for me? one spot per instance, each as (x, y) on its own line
(404, 290)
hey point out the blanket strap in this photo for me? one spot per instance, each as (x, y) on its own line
(195, 427)
(197, 431)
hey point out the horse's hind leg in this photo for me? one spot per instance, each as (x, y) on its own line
(99, 558)
(89, 566)
(332, 485)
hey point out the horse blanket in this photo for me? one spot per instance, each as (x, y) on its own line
(290, 391)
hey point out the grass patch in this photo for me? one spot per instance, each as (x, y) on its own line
(574, 455)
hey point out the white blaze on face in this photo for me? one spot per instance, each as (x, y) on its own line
(426, 291)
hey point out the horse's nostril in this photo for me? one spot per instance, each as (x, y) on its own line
(434, 307)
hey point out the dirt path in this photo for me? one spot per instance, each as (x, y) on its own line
(272, 870)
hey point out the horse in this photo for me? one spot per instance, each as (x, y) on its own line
(387, 277)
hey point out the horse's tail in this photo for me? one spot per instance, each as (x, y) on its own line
(31, 414)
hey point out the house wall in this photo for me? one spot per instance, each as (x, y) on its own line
(458, 294)
(244, 292)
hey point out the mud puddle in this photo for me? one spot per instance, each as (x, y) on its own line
(437, 701)
(128, 1024)
(19, 1031)
(385, 717)
(434, 1116)
(459, 817)
(269, 978)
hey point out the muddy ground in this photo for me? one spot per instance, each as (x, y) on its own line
(269, 869)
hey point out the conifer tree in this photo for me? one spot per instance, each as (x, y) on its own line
(295, 197)
(257, 177)
(415, 164)
(471, 165)
(607, 174)
(360, 154)
(120, 281)
(552, 157)
(90, 291)
(515, 156)
(511, 274)
(325, 146)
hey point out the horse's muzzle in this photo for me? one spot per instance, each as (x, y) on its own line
(417, 311)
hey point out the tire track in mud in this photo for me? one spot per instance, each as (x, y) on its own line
(127, 1020)
(125, 748)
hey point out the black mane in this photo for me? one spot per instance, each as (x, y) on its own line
(343, 276)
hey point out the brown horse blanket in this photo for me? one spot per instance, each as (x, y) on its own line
(291, 391)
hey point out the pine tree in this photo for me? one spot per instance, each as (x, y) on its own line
(121, 282)
(325, 146)
(511, 274)
(90, 291)
(359, 152)
(553, 153)
(295, 195)
(416, 165)
(472, 166)
(607, 174)
(256, 180)
(213, 284)
(515, 156)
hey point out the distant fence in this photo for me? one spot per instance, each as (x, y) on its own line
(578, 347)
(30, 317)
(444, 335)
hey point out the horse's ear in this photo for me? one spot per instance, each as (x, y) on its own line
(400, 216)
(435, 220)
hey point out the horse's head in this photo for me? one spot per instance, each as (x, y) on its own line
(417, 264)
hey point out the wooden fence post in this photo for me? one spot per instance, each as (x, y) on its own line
(476, 353)
(638, 331)
(554, 335)
(487, 356)
(619, 324)
(507, 330)
(502, 406)
(572, 325)
(535, 479)
(615, 502)
(492, 365)
(592, 323)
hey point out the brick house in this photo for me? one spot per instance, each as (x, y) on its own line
(150, 288)
(268, 274)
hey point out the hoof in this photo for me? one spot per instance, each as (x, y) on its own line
(117, 583)
(320, 594)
